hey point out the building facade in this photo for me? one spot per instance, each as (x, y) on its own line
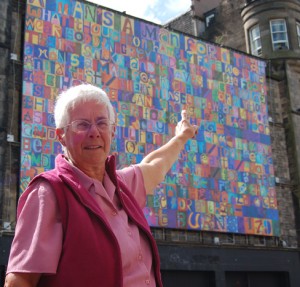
(264, 28)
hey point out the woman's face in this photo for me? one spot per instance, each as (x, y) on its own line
(87, 149)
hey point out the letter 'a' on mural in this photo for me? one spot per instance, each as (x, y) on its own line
(224, 179)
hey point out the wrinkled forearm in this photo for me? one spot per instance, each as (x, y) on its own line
(156, 164)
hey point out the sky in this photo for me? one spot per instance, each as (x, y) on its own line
(156, 11)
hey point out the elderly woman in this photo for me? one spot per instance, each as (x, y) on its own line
(81, 224)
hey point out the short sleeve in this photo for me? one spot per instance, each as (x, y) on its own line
(38, 236)
(133, 178)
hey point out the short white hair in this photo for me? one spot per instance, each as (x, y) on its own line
(76, 95)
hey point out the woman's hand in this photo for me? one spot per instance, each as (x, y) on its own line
(184, 128)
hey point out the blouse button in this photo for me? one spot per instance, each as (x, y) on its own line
(114, 213)
(147, 281)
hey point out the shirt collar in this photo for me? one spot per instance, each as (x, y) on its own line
(88, 183)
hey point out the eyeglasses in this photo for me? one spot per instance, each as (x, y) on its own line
(81, 126)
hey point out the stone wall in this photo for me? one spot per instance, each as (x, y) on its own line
(227, 28)
(293, 121)
(202, 6)
(11, 27)
(285, 202)
(284, 187)
(292, 70)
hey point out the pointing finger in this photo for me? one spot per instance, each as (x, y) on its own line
(183, 115)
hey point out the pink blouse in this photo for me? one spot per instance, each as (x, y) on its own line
(37, 244)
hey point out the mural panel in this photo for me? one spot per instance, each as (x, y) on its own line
(224, 179)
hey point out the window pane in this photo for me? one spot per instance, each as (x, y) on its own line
(209, 19)
(255, 42)
(278, 25)
(279, 34)
(279, 37)
(255, 33)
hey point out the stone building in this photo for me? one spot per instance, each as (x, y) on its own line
(264, 28)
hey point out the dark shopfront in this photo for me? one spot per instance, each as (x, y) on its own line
(206, 266)
(195, 266)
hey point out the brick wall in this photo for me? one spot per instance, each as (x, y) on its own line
(183, 23)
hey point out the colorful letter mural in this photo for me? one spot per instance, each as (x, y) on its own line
(224, 179)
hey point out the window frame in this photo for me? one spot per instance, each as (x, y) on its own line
(281, 44)
(255, 41)
(209, 19)
(298, 31)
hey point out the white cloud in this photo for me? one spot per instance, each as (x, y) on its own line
(175, 8)
(179, 5)
(152, 10)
